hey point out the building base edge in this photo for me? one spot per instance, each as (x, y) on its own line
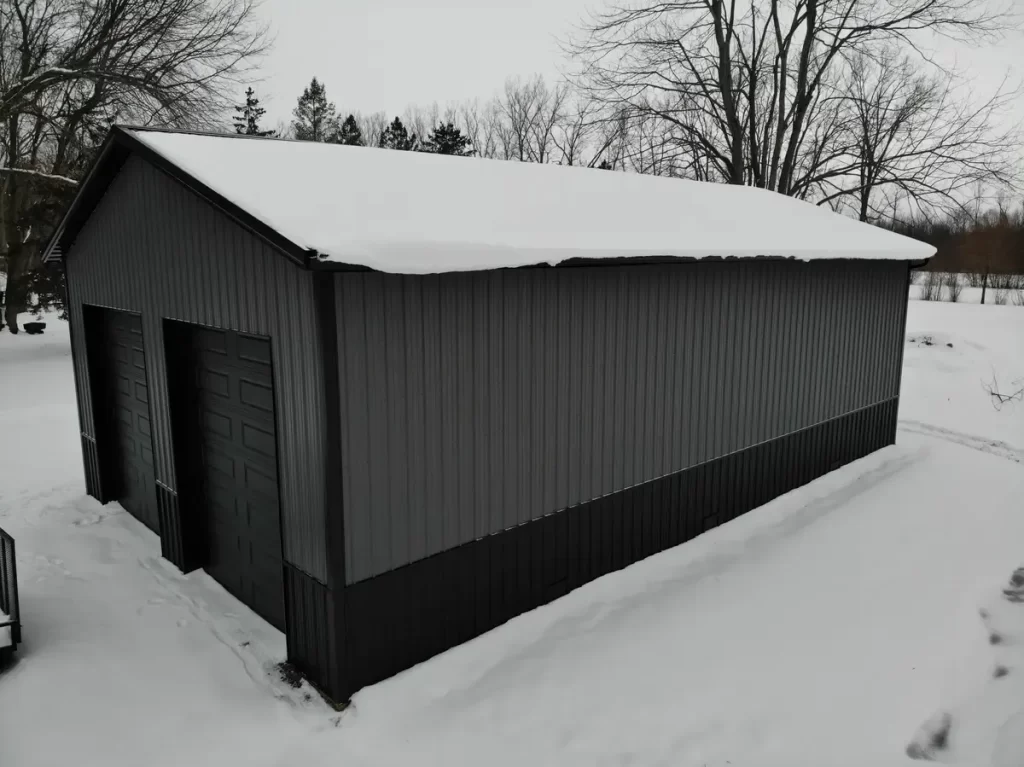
(402, 617)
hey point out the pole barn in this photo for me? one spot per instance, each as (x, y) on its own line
(391, 400)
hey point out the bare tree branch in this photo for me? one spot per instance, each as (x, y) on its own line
(40, 174)
(755, 93)
(69, 69)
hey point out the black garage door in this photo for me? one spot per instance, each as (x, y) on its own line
(121, 397)
(227, 406)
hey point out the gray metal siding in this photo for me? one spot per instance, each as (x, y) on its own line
(153, 247)
(474, 402)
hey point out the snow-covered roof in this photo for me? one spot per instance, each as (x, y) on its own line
(418, 213)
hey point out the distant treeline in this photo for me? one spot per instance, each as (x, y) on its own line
(983, 242)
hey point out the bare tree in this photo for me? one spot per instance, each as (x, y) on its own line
(372, 126)
(573, 132)
(916, 137)
(422, 120)
(70, 68)
(749, 90)
(586, 134)
(480, 125)
(532, 112)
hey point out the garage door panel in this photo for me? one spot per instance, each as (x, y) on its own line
(253, 349)
(216, 424)
(256, 394)
(225, 523)
(234, 372)
(222, 451)
(259, 441)
(209, 339)
(266, 534)
(214, 383)
(122, 393)
(127, 418)
(260, 486)
(234, 438)
(230, 477)
(221, 470)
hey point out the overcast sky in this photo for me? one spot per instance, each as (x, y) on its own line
(387, 54)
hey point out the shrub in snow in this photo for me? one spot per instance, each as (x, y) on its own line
(1018, 298)
(1003, 395)
(954, 286)
(1001, 296)
(1008, 281)
(931, 287)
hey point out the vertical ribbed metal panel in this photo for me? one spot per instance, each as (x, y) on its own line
(410, 613)
(153, 247)
(476, 402)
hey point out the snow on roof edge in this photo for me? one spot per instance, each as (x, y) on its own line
(414, 263)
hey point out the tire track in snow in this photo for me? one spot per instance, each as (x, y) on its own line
(990, 446)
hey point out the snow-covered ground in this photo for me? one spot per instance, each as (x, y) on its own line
(841, 624)
(969, 295)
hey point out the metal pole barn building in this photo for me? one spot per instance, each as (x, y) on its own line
(391, 400)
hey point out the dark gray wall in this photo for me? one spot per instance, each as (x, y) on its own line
(151, 246)
(474, 402)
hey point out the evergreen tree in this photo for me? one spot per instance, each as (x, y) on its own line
(315, 117)
(395, 136)
(350, 133)
(447, 139)
(247, 117)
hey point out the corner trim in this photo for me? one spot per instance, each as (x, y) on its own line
(334, 510)
(903, 334)
(327, 326)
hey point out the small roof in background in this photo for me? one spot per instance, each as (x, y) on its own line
(417, 213)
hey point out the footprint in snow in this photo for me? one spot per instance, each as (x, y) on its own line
(994, 711)
(931, 738)
(151, 601)
(92, 519)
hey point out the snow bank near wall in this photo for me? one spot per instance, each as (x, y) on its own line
(414, 213)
